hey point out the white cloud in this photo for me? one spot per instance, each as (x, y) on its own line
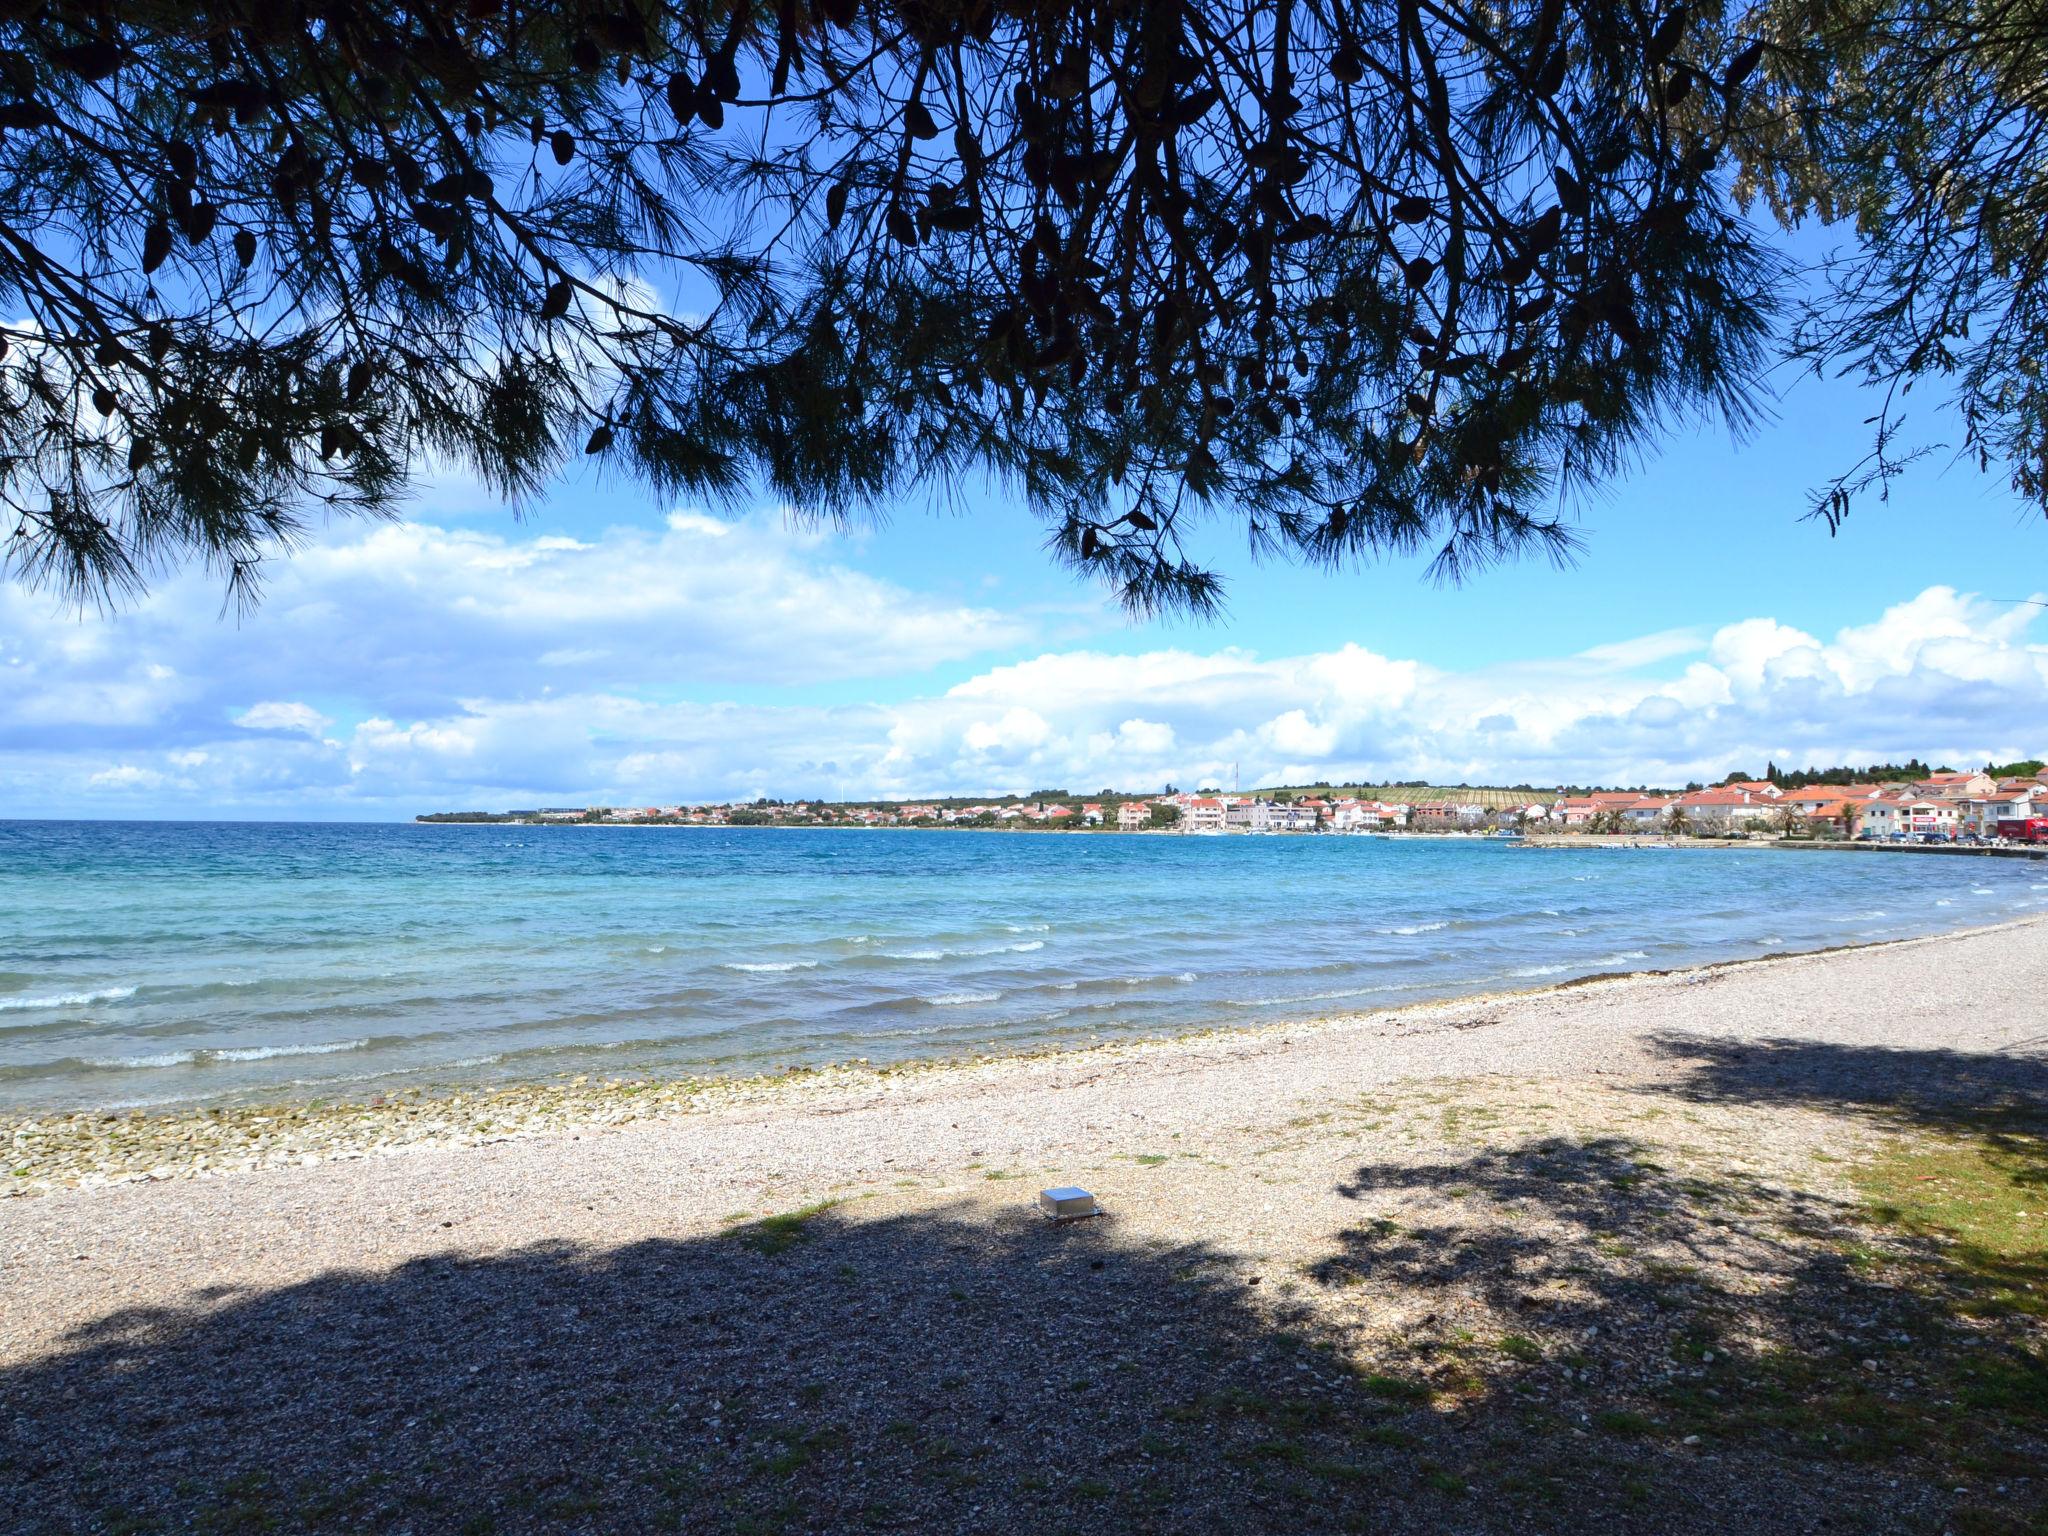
(276, 715)
(125, 776)
(406, 619)
(457, 669)
(1016, 732)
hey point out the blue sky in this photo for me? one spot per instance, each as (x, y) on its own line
(611, 649)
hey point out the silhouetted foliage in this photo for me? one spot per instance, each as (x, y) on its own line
(1920, 123)
(1365, 275)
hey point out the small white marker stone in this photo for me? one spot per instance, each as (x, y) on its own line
(1068, 1203)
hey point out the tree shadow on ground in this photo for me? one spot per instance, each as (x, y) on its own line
(957, 1371)
(1553, 1335)
(1874, 1358)
(812, 1372)
(1935, 1089)
(1994, 1104)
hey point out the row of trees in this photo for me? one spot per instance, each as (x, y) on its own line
(1361, 275)
(1675, 822)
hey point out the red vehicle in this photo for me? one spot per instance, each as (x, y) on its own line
(2026, 829)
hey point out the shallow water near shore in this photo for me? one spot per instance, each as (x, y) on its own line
(162, 963)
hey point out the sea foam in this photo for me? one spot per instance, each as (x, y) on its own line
(210, 1055)
(65, 999)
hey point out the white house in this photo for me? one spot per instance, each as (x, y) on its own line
(1725, 807)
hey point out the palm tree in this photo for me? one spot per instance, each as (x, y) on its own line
(1677, 823)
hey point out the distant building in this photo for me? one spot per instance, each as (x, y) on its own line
(1960, 785)
(1982, 815)
(1367, 816)
(1724, 807)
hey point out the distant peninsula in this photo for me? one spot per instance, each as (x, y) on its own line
(1891, 799)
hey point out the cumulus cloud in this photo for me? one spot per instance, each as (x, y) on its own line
(408, 619)
(643, 667)
(125, 776)
(277, 715)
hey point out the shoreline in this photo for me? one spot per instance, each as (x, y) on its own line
(82, 1149)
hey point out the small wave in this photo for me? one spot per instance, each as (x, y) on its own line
(1982, 890)
(1624, 956)
(1139, 981)
(123, 1063)
(211, 1055)
(265, 1052)
(1548, 912)
(1409, 930)
(1944, 902)
(768, 965)
(1305, 997)
(985, 949)
(65, 999)
(953, 999)
(656, 949)
(1537, 970)
(1028, 927)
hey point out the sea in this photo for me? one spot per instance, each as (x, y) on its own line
(158, 963)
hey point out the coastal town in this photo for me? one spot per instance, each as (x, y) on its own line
(1947, 806)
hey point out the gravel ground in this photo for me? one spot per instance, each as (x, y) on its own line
(1556, 1261)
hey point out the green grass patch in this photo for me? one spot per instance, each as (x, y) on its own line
(1980, 1202)
(772, 1235)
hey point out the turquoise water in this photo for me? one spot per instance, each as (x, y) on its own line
(147, 963)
